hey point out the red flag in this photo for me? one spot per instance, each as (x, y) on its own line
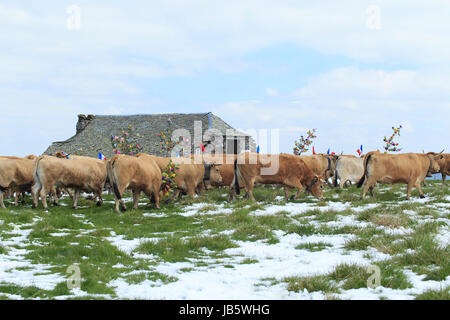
(202, 147)
(314, 151)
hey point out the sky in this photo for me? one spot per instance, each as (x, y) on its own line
(350, 69)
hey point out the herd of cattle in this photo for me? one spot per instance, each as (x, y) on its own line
(52, 175)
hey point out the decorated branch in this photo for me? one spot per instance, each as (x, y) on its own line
(168, 177)
(165, 139)
(123, 144)
(390, 145)
(302, 145)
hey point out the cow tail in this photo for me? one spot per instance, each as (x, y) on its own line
(37, 183)
(112, 176)
(236, 179)
(366, 162)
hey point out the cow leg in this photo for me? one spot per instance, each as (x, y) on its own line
(75, 199)
(152, 192)
(409, 188)
(16, 198)
(156, 187)
(444, 176)
(372, 191)
(1, 200)
(43, 195)
(99, 197)
(342, 183)
(418, 187)
(136, 198)
(286, 193)
(366, 188)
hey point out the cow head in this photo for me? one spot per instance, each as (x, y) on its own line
(316, 187)
(434, 162)
(214, 175)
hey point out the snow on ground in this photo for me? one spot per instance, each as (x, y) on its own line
(15, 269)
(241, 282)
(229, 278)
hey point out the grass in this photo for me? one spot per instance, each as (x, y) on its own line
(203, 240)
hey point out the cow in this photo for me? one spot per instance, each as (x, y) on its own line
(81, 174)
(409, 168)
(15, 175)
(444, 164)
(293, 172)
(192, 175)
(15, 190)
(70, 192)
(139, 174)
(348, 169)
(226, 167)
(322, 165)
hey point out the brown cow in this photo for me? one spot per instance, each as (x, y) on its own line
(321, 164)
(192, 174)
(135, 173)
(81, 174)
(409, 168)
(292, 172)
(15, 174)
(444, 164)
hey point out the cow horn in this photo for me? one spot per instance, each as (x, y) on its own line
(442, 151)
(423, 151)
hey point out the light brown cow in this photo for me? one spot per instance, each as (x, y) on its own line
(409, 168)
(348, 169)
(191, 176)
(444, 164)
(135, 173)
(88, 175)
(9, 192)
(292, 172)
(15, 174)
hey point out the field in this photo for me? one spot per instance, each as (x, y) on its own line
(207, 248)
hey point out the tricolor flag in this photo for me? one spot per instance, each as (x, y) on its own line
(360, 150)
(101, 156)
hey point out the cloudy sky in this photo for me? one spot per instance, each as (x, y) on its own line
(351, 69)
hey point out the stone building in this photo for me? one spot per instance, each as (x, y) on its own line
(93, 133)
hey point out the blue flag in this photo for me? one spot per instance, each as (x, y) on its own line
(328, 152)
(257, 150)
(361, 148)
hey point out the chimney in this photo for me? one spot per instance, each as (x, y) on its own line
(83, 121)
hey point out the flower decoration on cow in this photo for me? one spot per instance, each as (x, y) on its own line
(302, 145)
(390, 145)
(168, 178)
(126, 142)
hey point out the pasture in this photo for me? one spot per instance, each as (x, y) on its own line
(208, 248)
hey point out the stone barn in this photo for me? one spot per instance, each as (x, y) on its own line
(93, 133)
